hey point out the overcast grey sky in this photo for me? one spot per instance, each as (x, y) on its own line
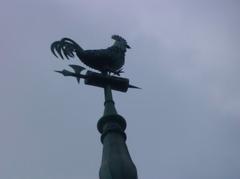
(183, 124)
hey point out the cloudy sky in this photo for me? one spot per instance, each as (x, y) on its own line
(183, 124)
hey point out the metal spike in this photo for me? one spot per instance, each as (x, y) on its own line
(132, 86)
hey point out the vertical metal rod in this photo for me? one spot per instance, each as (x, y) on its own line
(108, 93)
(109, 103)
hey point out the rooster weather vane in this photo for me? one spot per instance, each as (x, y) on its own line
(108, 65)
(109, 62)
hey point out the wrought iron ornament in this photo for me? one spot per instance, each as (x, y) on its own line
(116, 160)
(108, 61)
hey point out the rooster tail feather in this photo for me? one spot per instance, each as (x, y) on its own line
(54, 47)
(65, 48)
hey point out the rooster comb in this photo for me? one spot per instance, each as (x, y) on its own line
(118, 38)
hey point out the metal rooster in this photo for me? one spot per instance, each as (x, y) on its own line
(109, 60)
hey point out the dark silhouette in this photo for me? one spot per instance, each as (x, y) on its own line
(116, 160)
(106, 60)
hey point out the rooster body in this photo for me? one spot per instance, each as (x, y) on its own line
(110, 59)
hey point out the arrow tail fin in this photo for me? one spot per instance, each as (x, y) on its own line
(77, 69)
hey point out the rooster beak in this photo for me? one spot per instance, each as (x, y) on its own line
(128, 46)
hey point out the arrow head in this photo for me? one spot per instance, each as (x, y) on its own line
(65, 72)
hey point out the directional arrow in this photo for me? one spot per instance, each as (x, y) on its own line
(98, 79)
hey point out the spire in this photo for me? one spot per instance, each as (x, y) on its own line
(116, 160)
